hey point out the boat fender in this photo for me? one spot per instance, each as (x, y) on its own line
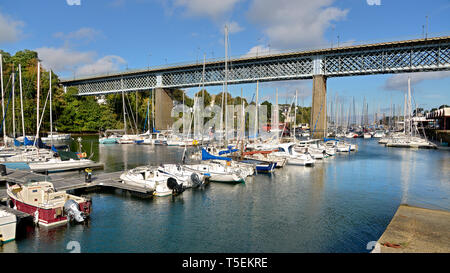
(195, 180)
(36, 217)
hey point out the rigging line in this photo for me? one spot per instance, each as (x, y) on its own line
(6, 111)
(131, 111)
(146, 116)
(40, 122)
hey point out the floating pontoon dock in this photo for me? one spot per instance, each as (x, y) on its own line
(62, 183)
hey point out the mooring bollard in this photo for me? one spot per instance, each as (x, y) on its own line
(88, 175)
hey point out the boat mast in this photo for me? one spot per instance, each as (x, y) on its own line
(409, 107)
(242, 122)
(243, 116)
(21, 100)
(203, 97)
(124, 117)
(13, 106)
(295, 113)
(37, 103)
(3, 100)
(404, 117)
(51, 110)
(148, 115)
(226, 84)
(256, 110)
(136, 112)
(184, 118)
(153, 108)
(277, 118)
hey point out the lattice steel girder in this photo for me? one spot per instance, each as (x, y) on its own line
(431, 54)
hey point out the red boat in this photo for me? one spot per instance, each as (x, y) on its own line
(46, 205)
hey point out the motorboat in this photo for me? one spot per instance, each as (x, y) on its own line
(188, 177)
(146, 177)
(286, 150)
(48, 206)
(378, 134)
(151, 178)
(218, 172)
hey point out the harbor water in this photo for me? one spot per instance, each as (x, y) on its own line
(339, 205)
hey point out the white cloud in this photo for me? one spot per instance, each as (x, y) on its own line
(260, 50)
(214, 9)
(63, 59)
(400, 81)
(291, 24)
(106, 64)
(83, 63)
(73, 2)
(373, 2)
(84, 33)
(10, 29)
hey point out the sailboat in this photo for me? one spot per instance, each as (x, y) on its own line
(411, 137)
(61, 160)
(127, 138)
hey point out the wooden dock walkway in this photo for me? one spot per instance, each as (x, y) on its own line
(62, 182)
(416, 230)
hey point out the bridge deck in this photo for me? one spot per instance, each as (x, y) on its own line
(420, 55)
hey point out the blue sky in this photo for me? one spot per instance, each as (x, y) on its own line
(102, 36)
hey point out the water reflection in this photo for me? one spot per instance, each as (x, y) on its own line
(338, 205)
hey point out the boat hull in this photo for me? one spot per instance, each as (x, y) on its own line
(49, 217)
(59, 166)
(108, 141)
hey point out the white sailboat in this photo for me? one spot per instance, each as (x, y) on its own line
(65, 160)
(411, 137)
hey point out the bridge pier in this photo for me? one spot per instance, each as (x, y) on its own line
(163, 108)
(318, 123)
